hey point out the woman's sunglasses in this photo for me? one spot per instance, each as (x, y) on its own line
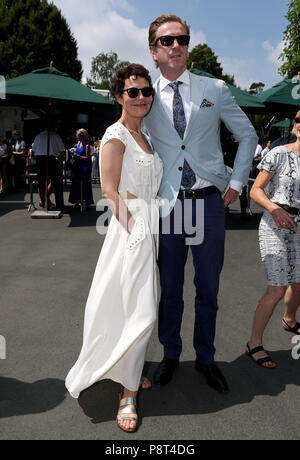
(297, 120)
(134, 92)
(168, 40)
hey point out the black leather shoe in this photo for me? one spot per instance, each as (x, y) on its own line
(214, 376)
(165, 371)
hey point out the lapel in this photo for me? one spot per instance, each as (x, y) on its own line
(197, 93)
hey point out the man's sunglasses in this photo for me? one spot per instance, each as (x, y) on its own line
(297, 120)
(168, 40)
(134, 92)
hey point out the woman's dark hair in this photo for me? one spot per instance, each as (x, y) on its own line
(117, 83)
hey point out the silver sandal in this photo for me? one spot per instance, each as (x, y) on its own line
(124, 412)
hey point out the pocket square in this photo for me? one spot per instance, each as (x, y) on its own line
(205, 103)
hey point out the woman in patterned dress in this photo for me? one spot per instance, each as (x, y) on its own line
(277, 189)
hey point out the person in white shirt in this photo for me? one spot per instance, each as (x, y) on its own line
(3, 163)
(266, 149)
(184, 126)
(18, 152)
(56, 152)
(256, 160)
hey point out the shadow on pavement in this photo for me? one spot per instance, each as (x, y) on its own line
(234, 221)
(83, 219)
(7, 207)
(12, 201)
(188, 392)
(21, 398)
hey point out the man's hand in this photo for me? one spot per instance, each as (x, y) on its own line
(230, 197)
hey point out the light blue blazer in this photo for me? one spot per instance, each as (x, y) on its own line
(212, 103)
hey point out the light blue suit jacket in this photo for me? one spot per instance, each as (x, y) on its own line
(211, 102)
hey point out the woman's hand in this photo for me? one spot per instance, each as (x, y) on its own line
(283, 219)
(111, 166)
(131, 224)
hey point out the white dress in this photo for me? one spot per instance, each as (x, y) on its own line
(122, 303)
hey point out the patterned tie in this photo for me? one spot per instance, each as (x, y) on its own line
(188, 175)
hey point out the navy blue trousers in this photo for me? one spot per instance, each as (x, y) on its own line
(208, 261)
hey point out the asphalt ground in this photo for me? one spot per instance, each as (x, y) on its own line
(46, 270)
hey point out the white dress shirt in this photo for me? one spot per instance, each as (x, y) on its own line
(166, 96)
(264, 152)
(258, 150)
(40, 144)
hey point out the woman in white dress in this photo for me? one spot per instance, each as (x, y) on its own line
(122, 303)
(277, 189)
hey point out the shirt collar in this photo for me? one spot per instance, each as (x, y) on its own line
(184, 78)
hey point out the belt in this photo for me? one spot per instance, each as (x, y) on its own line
(290, 209)
(198, 193)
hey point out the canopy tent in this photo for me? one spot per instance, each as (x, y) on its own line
(48, 88)
(282, 98)
(248, 102)
(50, 83)
(282, 124)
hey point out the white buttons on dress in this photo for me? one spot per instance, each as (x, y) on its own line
(144, 161)
(138, 233)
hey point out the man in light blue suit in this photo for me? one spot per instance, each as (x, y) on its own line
(184, 126)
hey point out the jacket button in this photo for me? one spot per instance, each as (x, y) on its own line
(183, 147)
(180, 168)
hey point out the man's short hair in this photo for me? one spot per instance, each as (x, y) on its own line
(162, 20)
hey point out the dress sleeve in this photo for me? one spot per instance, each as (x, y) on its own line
(270, 161)
(116, 131)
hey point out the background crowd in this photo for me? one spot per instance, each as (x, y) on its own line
(80, 166)
(77, 164)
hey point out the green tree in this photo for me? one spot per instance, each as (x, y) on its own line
(229, 79)
(256, 88)
(32, 34)
(203, 58)
(104, 66)
(291, 50)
